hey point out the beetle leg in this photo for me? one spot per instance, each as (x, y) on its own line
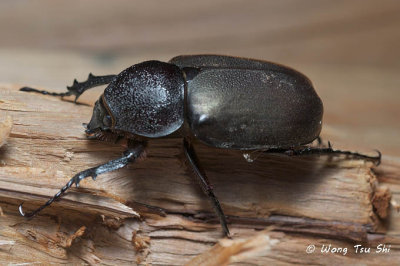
(319, 142)
(129, 156)
(309, 150)
(329, 150)
(77, 88)
(205, 185)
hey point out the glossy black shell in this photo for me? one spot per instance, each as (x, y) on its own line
(147, 99)
(249, 104)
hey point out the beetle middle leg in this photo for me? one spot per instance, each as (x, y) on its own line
(319, 142)
(77, 88)
(328, 150)
(205, 185)
(130, 155)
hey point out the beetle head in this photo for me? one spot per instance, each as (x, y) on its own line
(100, 122)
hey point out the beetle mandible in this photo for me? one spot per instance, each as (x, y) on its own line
(223, 101)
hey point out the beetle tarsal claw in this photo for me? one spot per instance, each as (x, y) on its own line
(378, 158)
(24, 214)
(21, 211)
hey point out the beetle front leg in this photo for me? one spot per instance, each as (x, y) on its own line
(77, 88)
(130, 155)
(205, 185)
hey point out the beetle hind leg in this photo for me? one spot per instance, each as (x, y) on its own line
(77, 88)
(129, 155)
(309, 150)
(328, 150)
(205, 185)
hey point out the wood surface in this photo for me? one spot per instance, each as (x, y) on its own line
(153, 212)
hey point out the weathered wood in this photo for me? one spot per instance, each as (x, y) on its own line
(5, 128)
(307, 199)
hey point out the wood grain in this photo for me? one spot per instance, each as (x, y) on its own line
(302, 197)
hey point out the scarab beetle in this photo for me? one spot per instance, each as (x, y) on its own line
(223, 101)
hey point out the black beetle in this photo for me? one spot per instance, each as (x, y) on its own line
(223, 101)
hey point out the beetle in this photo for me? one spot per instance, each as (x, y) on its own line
(223, 101)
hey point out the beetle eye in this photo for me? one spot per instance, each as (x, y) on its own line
(107, 121)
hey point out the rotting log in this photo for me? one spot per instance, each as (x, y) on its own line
(153, 212)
